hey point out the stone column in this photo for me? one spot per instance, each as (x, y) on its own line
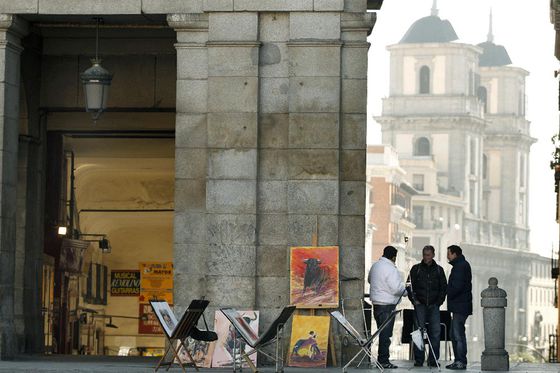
(34, 213)
(313, 154)
(231, 190)
(190, 246)
(11, 31)
(356, 25)
(494, 301)
(272, 234)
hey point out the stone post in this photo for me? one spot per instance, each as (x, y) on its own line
(189, 244)
(494, 301)
(12, 29)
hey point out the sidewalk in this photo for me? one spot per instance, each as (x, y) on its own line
(108, 364)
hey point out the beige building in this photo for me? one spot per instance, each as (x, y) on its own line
(456, 116)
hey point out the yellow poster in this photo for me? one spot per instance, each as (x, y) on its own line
(156, 281)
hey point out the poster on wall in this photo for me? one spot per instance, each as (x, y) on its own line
(225, 345)
(125, 283)
(147, 320)
(156, 281)
(309, 341)
(314, 277)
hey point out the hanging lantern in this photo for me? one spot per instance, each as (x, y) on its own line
(96, 81)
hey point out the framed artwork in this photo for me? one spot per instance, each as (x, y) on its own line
(200, 351)
(314, 277)
(165, 316)
(225, 345)
(309, 341)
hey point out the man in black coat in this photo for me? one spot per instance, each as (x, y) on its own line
(429, 287)
(459, 303)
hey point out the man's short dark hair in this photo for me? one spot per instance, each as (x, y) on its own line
(429, 248)
(455, 250)
(389, 252)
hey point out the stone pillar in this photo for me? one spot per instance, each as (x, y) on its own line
(355, 27)
(494, 301)
(314, 125)
(272, 267)
(190, 239)
(11, 31)
(34, 213)
(231, 190)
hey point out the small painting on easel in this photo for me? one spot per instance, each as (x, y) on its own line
(309, 341)
(314, 277)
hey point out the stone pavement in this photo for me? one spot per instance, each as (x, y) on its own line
(83, 364)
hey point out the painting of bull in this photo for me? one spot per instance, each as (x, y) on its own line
(314, 277)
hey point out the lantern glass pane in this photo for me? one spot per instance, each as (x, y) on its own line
(94, 95)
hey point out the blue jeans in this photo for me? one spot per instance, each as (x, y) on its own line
(382, 313)
(428, 314)
(458, 338)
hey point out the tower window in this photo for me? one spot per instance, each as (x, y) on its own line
(483, 97)
(422, 147)
(424, 80)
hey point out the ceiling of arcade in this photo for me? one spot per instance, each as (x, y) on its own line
(115, 174)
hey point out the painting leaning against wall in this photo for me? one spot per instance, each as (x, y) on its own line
(309, 341)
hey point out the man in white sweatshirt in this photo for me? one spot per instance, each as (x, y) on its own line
(386, 289)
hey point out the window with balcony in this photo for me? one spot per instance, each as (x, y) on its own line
(418, 216)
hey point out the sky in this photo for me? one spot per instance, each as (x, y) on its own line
(526, 32)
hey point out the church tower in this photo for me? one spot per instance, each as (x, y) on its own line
(507, 141)
(456, 116)
(434, 119)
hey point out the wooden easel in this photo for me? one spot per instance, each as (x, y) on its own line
(315, 243)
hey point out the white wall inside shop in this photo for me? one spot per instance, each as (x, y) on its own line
(131, 174)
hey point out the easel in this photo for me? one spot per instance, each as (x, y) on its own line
(315, 243)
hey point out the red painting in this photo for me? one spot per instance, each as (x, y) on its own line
(314, 277)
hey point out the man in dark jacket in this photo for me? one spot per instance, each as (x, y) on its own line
(429, 287)
(459, 303)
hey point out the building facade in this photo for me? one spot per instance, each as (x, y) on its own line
(234, 130)
(456, 116)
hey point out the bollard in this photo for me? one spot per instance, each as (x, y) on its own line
(494, 302)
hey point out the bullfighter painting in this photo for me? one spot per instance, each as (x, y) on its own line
(314, 277)
(309, 341)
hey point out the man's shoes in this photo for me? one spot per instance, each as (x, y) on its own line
(418, 364)
(457, 366)
(388, 365)
(432, 364)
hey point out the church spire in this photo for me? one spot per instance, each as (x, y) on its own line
(490, 33)
(434, 8)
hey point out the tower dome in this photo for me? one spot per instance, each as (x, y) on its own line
(493, 54)
(431, 29)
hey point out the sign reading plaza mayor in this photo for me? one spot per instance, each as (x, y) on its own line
(125, 283)
(156, 281)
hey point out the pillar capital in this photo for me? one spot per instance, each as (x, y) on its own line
(12, 30)
(188, 22)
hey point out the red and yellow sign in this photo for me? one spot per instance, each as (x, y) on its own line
(156, 281)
